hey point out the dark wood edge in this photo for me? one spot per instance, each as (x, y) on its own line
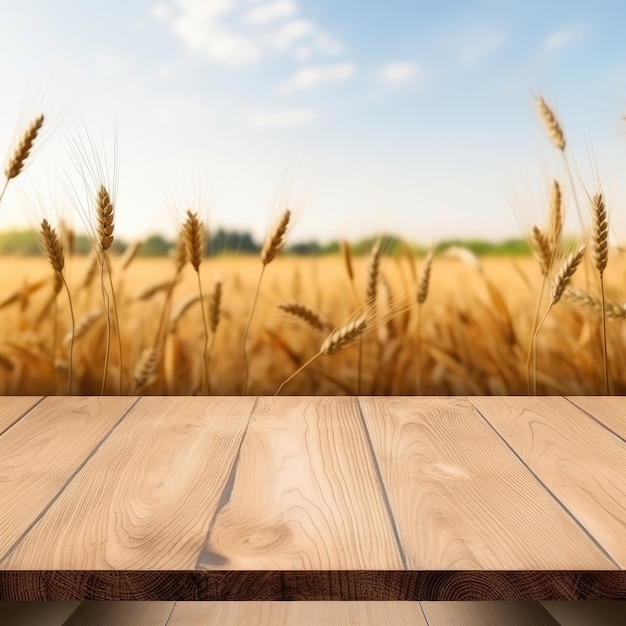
(312, 585)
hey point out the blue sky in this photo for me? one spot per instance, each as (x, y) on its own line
(410, 116)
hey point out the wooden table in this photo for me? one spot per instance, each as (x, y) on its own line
(294, 498)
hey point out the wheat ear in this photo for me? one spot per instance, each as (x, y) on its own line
(304, 313)
(105, 227)
(53, 249)
(600, 254)
(145, 370)
(373, 271)
(272, 245)
(422, 294)
(559, 284)
(215, 311)
(337, 340)
(553, 128)
(21, 152)
(194, 237)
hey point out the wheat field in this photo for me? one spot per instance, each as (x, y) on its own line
(475, 329)
(380, 324)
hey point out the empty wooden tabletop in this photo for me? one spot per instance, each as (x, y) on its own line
(302, 498)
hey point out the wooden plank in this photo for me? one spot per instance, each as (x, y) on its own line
(12, 408)
(580, 462)
(487, 614)
(37, 461)
(461, 498)
(297, 613)
(611, 411)
(145, 499)
(326, 585)
(121, 614)
(305, 494)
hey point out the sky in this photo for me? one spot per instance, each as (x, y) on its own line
(401, 116)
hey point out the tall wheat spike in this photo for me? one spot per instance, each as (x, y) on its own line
(194, 236)
(52, 247)
(21, 152)
(373, 270)
(271, 247)
(105, 226)
(337, 340)
(559, 284)
(600, 254)
(422, 294)
(553, 128)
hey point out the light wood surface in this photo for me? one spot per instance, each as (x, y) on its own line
(298, 498)
(577, 459)
(306, 495)
(42, 452)
(611, 411)
(461, 499)
(14, 408)
(146, 498)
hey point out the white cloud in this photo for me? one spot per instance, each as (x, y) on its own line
(303, 53)
(316, 75)
(481, 49)
(401, 73)
(161, 11)
(326, 44)
(200, 25)
(237, 33)
(564, 37)
(291, 32)
(271, 12)
(281, 118)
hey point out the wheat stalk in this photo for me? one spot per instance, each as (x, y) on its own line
(272, 245)
(105, 227)
(337, 340)
(194, 236)
(422, 294)
(600, 254)
(52, 246)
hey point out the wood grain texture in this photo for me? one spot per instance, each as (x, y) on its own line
(121, 614)
(145, 499)
(310, 585)
(12, 408)
(297, 614)
(305, 495)
(580, 462)
(611, 411)
(37, 463)
(487, 614)
(461, 498)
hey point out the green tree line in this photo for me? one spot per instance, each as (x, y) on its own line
(26, 243)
